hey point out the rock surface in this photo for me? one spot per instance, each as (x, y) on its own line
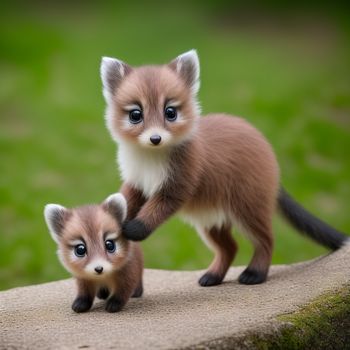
(175, 312)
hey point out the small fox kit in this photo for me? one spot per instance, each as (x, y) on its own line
(91, 247)
(217, 171)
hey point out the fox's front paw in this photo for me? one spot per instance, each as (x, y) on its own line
(114, 304)
(135, 230)
(82, 304)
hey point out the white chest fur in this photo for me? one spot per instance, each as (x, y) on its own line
(147, 170)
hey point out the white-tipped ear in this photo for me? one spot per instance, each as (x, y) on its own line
(187, 65)
(117, 206)
(112, 73)
(55, 217)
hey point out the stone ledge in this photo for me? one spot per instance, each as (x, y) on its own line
(176, 313)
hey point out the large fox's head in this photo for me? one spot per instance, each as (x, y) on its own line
(90, 244)
(151, 106)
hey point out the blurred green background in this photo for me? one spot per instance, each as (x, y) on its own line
(285, 69)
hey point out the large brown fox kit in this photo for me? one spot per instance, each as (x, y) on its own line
(217, 171)
(92, 248)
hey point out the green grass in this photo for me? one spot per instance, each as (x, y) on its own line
(288, 74)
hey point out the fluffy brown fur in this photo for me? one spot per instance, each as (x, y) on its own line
(112, 275)
(216, 171)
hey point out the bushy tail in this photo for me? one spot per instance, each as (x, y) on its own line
(309, 224)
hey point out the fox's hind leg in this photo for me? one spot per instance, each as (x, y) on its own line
(225, 248)
(138, 291)
(260, 233)
(103, 293)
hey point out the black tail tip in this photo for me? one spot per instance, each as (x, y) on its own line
(308, 224)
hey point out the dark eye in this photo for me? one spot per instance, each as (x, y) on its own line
(80, 250)
(135, 116)
(110, 246)
(170, 113)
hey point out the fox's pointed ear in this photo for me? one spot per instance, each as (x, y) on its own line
(187, 65)
(113, 72)
(55, 217)
(116, 205)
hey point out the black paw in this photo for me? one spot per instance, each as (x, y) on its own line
(114, 304)
(82, 304)
(135, 230)
(138, 292)
(103, 293)
(210, 279)
(249, 276)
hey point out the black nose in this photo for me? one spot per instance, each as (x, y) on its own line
(155, 139)
(99, 269)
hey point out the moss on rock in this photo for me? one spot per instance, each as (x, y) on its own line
(322, 324)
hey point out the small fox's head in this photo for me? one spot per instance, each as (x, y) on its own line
(89, 240)
(151, 106)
